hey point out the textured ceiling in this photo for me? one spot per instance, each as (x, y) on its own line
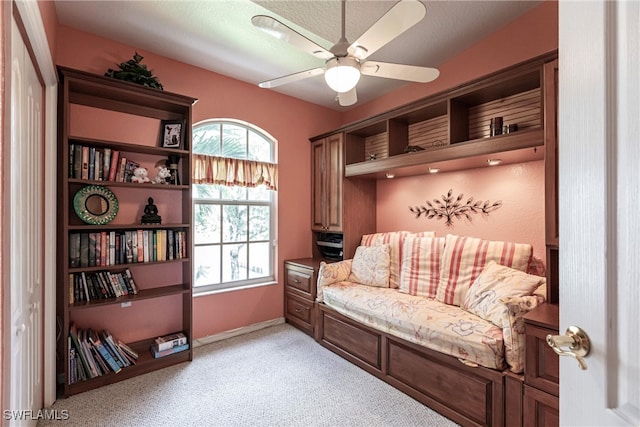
(218, 35)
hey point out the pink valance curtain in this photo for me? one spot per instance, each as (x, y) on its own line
(227, 171)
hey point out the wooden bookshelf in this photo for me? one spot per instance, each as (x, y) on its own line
(115, 99)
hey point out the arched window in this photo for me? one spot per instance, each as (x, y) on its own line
(233, 204)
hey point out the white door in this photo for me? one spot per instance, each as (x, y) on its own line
(599, 197)
(24, 204)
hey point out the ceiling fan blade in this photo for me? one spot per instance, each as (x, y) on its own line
(281, 31)
(291, 78)
(410, 73)
(347, 98)
(402, 16)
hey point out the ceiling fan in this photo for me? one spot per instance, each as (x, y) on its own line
(345, 62)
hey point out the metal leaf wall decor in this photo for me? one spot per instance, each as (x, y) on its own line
(452, 208)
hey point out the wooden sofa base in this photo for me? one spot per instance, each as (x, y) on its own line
(467, 395)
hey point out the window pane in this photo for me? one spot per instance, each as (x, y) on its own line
(259, 260)
(259, 222)
(261, 193)
(233, 193)
(234, 141)
(234, 262)
(207, 265)
(259, 147)
(234, 223)
(206, 139)
(206, 223)
(206, 191)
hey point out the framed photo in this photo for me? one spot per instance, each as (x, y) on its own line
(171, 133)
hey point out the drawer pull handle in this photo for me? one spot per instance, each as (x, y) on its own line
(297, 310)
(577, 342)
(297, 281)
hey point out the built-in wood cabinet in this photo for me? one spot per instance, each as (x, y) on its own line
(90, 104)
(542, 370)
(328, 165)
(300, 277)
(339, 205)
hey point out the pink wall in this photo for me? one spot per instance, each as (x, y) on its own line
(520, 187)
(50, 21)
(289, 120)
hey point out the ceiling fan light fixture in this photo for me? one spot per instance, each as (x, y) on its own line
(342, 74)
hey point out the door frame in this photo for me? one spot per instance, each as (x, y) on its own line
(36, 40)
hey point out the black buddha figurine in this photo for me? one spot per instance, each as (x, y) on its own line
(151, 213)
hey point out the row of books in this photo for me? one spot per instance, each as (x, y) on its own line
(104, 248)
(100, 285)
(93, 354)
(99, 164)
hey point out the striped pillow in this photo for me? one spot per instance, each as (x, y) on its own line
(464, 258)
(394, 239)
(420, 266)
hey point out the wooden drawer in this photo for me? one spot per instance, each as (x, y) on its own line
(542, 367)
(540, 409)
(300, 279)
(299, 312)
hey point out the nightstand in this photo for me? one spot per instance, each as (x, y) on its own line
(300, 292)
(541, 372)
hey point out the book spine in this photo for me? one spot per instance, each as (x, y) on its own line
(72, 149)
(92, 164)
(170, 244)
(120, 174)
(145, 239)
(106, 163)
(140, 245)
(132, 283)
(77, 161)
(105, 354)
(112, 248)
(113, 167)
(98, 165)
(104, 246)
(85, 163)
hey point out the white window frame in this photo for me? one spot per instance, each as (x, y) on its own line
(247, 283)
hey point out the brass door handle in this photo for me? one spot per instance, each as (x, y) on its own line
(576, 341)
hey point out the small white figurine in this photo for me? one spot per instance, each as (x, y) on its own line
(140, 175)
(161, 177)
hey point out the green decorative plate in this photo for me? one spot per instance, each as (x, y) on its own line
(95, 204)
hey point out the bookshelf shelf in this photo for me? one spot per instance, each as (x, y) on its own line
(141, 295)
(147, 186)
(116, 107)
(117, 267)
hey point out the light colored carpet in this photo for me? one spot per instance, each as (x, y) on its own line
(277, 376)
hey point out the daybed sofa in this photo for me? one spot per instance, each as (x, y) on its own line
(440, 318)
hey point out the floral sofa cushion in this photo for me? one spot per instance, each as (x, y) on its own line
(513, 319)
(370, 266)
(444, 328)
(495, 283)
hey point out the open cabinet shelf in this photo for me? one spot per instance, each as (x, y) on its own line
(451, 130)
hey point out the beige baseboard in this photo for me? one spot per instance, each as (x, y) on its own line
(235, 332)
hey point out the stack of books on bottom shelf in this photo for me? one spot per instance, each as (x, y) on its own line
(169, 344)
(93, 354)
